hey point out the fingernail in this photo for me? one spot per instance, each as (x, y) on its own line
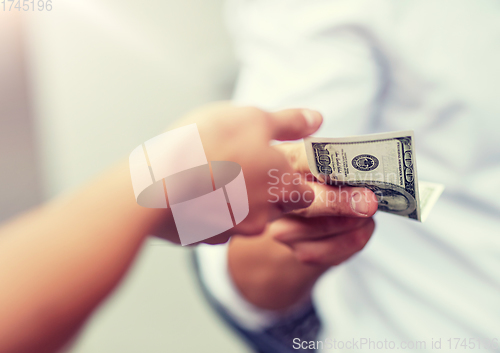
(313, 118)
(358, 204)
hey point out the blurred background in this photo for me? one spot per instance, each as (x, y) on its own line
(80, 87)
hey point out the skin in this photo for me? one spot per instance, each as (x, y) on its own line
(60, 261)
(278, 269)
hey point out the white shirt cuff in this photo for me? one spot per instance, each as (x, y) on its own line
(215, 276)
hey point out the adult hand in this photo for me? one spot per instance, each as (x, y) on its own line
(335, 226)
(243, 135)
(278, 269)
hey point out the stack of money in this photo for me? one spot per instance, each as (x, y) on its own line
(384, 163)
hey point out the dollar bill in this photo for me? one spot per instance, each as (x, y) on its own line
(384, 163)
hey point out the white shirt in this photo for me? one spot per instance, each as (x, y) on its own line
(377, 66)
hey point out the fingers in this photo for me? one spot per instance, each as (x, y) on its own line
(334, 250)
(295, 154)
(295, 197)
(329, 200)
(340, 201)
(287, 190)
(293, 229)
(293, 124)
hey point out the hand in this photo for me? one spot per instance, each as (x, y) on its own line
(51, 277)
(323, 241)
(243, 135)
(334, 227)
(278, 269)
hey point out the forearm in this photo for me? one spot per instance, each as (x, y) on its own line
(58, 262)
(267, 273)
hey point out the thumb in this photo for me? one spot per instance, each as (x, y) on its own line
(294, 124)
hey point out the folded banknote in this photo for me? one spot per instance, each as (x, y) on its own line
(384, 163)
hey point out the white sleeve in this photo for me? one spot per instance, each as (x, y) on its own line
(214, 274)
